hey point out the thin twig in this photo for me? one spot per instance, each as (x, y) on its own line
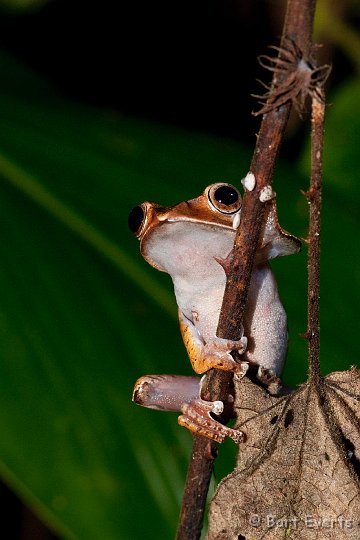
(297, 27)
(196, 488)
(314, 199)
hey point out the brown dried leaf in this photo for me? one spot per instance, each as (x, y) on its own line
(298, 473)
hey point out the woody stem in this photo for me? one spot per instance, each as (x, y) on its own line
(297, 27)
(314, 198)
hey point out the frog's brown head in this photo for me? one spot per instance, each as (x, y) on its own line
(216, 206)
(208, 222)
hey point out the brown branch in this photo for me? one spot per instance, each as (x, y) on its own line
(314, 198)
(298, 28)
(196, 488)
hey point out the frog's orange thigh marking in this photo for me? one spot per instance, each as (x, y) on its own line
(215, 354)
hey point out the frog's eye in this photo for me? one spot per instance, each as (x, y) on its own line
(225, 198)
(136, 219)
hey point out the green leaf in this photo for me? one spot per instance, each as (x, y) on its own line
(82, 315)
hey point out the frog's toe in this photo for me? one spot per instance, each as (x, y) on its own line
(226, 345)
(217, 354)
(242, 370)
(197, 418)
(269, 378)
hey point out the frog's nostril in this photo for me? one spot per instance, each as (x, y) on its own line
(136, 219)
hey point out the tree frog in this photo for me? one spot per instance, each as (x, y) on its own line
(190, 241)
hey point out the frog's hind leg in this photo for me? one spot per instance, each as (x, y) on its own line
(179, 393)
(215, 353)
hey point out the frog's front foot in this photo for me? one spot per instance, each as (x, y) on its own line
(217, 354)
(197, 418)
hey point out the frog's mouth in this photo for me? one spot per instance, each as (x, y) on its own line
(196, 211)
(148, 216)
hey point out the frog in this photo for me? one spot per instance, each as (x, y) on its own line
(191, 241)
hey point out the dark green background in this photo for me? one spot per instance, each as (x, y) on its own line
(82, 315)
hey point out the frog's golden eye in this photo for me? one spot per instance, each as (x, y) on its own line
(136, 219)
(225, 198)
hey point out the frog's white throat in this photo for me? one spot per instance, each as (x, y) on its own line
(187, 250)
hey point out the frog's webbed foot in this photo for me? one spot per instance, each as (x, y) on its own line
(215, 353)
(197, 418)
(179, 393)
(269, 379)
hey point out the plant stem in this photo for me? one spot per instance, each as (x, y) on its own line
(314, 198)
(196, 487)
(298, 27)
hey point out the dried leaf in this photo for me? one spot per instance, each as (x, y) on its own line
(298, 472)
